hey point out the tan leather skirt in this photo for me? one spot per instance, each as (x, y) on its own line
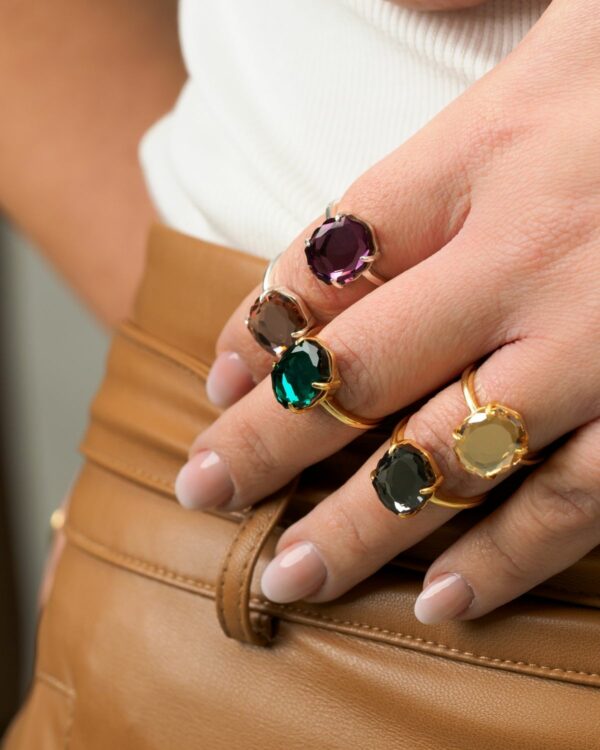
(156, 634)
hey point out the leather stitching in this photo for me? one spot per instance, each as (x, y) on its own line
(53, 682)
(69, 693)
(88, 544)
(102, 551)
(110, 462)
(128, 331)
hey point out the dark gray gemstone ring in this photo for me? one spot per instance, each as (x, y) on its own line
(407, 477)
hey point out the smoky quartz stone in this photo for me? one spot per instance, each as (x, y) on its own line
(400, 477)
(273, 319)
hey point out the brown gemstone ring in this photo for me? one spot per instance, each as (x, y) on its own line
(407, 478)
(493, 438)
(342, 249)
(278, 316)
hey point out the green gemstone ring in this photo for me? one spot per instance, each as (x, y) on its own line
(306, 375)
(493, 438)
(407, 477)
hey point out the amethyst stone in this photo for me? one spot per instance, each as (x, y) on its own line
(339, 250)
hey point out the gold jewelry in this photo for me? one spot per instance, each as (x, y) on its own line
(407, 478)
(493, 438)
(306, 375)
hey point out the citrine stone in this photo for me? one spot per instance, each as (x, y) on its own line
(339, 250)
(292, 377)
(272, 320)
(490, 440)
(400, 477)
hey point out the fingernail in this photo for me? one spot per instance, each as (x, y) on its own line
(228, 380)
(203, 482)
(444, 598)
(296, 572)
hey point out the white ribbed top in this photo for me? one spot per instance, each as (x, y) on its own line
(288, 102)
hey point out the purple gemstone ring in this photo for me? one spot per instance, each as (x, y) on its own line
(342, 249)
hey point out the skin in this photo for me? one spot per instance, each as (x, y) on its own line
(488, 220)
(81, 81)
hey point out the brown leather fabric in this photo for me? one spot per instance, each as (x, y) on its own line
(132, 645)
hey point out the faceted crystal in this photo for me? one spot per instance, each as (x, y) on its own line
(272, 320)
(300, 366)
(338, 250)
(400, 478)
(490, 440)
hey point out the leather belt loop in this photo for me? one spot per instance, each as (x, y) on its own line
(235, 578)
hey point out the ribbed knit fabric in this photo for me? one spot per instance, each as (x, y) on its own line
(288, 102)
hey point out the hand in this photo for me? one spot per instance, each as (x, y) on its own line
(489, 225)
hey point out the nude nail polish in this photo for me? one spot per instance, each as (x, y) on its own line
(444, 598)
(204, 482)
(296, 572)
(228, 380)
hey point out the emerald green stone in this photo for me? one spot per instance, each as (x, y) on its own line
(293, 375)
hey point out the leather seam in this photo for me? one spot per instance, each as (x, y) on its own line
(67, 692)
(417, 639)
(125, 331)
(110, 462)
(87, 544)
(55, 683)
(113, 555)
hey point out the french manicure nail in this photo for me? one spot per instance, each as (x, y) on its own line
(203, 482)
(296, 572)
(444, 598)
(228, 380)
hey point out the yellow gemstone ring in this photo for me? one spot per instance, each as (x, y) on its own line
(493, 438)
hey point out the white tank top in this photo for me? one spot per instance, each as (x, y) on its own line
(288, 102)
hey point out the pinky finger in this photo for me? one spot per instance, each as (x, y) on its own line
(551, 522)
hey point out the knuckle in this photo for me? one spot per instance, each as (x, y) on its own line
(502, 557)
(432, 427)
(342, 525)
(557, 512)
(259, 457)
(360, 382)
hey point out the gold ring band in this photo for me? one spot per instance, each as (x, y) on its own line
(398, 475)
(306, 375)
(493, 438)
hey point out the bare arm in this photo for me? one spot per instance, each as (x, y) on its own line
(80, 81)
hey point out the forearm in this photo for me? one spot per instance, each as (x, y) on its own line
(80, 81)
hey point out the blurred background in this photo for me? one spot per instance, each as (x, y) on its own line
(51, 361)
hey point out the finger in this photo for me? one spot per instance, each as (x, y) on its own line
(351, 532)
(415, 204)
(260, 445)
(547, 525)
(58, 543)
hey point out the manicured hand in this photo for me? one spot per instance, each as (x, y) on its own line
(489, 226)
